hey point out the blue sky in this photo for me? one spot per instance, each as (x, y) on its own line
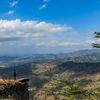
(47, 26)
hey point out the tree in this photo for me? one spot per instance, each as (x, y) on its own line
(97, 35)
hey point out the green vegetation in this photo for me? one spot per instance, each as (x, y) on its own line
(96, 45)
(66, 78)
(58, 89)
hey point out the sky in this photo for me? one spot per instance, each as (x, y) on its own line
(47, 26)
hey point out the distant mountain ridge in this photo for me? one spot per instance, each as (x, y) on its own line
(42, 69)
(92, 55)
(52, 56)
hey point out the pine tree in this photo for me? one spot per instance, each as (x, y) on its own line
(97, 35)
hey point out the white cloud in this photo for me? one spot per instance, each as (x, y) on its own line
(13, 3)
(18, 28)
(43, 6)
(35, 33)
(55, 43)
(39, 34)
(10, 12)
(89, 41)
(66, 43)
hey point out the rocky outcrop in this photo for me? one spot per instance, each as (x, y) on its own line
(15, 89)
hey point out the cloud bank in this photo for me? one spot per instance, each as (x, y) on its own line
(26, 29)
(37, 34)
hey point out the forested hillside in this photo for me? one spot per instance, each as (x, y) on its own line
(52, 76)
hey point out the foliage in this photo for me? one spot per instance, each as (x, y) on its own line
(96, 45)
(70, 90)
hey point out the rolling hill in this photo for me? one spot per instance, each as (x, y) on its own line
(43, 69)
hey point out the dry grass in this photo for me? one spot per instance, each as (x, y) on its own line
(9, 82)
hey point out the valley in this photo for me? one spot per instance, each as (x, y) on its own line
(47, 71)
